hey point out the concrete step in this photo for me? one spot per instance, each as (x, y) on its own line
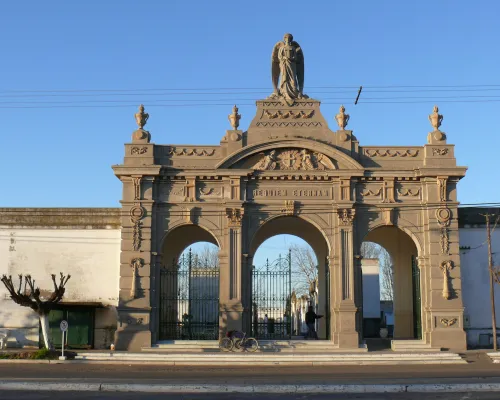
(226, 359)
(412, 345)
(495, 357)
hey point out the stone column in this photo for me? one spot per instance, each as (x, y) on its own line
(231, 305)
(345, 310)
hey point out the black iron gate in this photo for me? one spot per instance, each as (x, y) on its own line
(271, 299)
(417, 303)
(189, 300)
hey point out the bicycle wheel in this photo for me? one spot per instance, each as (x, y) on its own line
(238, 345)
(251, 344)
(226, 344)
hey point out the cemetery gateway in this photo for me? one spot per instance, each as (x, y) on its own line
(288, 173)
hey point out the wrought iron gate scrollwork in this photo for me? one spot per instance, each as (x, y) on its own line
(271, 299)
(189, 300)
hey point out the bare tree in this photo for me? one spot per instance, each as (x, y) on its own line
(304, 268)
(207, 257)
(386, 276)
(29, 296)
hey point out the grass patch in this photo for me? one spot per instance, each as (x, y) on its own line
(42, 354)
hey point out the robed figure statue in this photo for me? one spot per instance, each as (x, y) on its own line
(288, 61)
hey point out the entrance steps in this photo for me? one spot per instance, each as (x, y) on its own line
(265, 346)
(268, 359)
(412, 346)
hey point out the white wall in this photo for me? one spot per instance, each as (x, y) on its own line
(475, 281)
(371, 288)
(91, 256)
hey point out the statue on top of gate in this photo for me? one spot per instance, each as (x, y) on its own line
(287, 61)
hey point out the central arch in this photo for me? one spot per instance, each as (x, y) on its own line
(315, 238)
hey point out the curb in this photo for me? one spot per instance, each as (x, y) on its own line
(211, 388)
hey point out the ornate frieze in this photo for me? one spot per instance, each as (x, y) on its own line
(173, 151)
(446, 266)
(293, 159)
(289, 114)
(346, 216)
(390, 153)
(286, 124)
(215, 192)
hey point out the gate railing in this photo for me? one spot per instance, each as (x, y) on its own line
(271, 299)
(189, 300)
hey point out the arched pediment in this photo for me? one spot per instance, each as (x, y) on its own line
(290, 154)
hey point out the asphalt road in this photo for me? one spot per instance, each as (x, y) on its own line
(16, 395)
(479, 370)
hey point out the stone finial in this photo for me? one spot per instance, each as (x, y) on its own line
(234, 118)
(435, 119)
(141, 117)
(342, 118)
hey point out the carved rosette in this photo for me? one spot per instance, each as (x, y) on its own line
(234, 216)
(346, 216)
(446, 266)
(135, 264)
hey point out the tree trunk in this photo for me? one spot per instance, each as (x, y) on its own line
(44, 322)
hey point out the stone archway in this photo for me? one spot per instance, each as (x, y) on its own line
(406, 304)
(314, 237)
(289, 163)
(187, 287)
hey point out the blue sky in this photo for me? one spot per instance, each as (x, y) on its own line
(61, 155)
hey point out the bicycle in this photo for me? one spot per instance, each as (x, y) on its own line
(235, 340)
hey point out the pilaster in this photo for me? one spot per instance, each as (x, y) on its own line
(346, 310)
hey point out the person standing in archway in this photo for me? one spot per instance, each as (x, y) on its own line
(311, 318)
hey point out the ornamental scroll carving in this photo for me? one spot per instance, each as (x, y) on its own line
(138, 150)
(446, 266)
(439, 152)
(289, 114)
(294, 160)
(371, 193)
(448, 322)
(137, 212)
(391, 153)
(135, 264)
(346, 216)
